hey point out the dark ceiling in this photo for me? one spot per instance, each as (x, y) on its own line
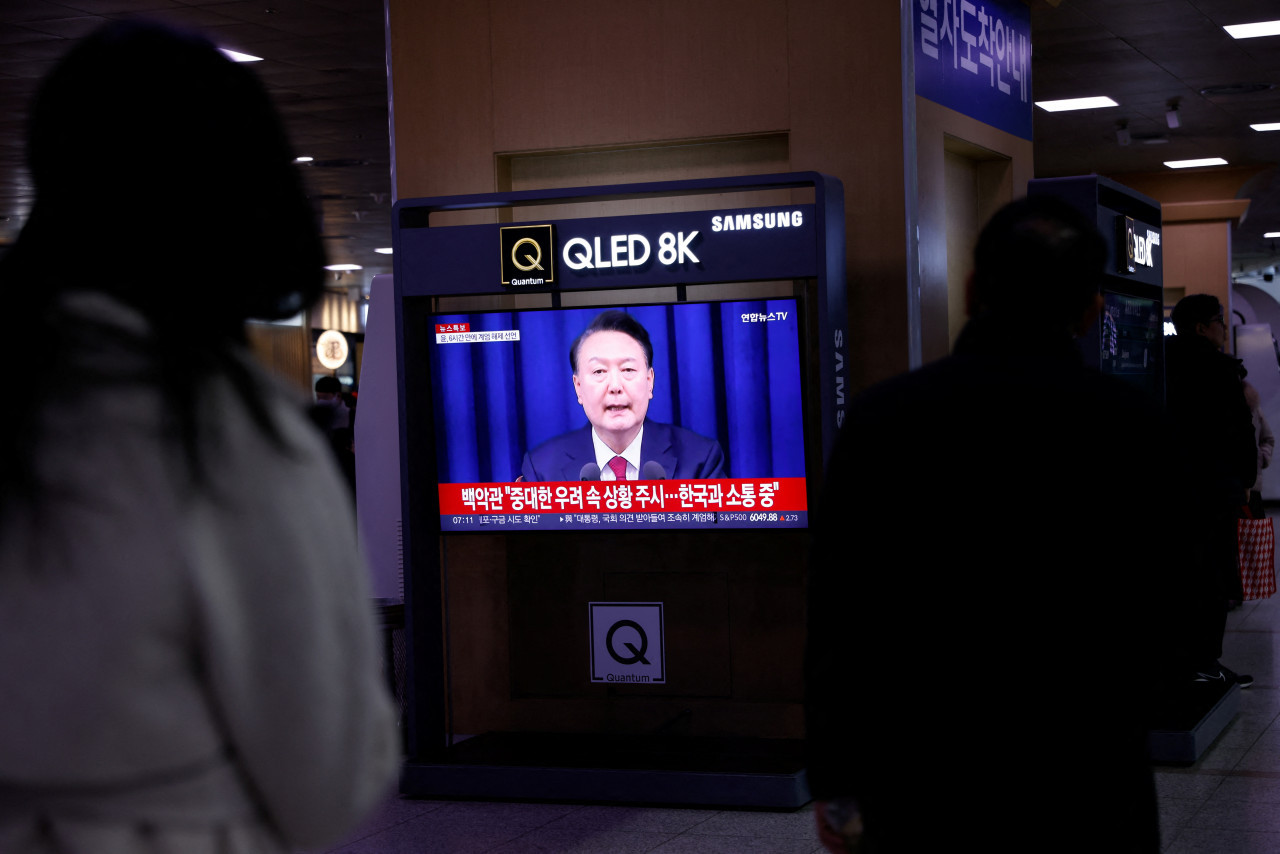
(1145, 54)
(325, 65)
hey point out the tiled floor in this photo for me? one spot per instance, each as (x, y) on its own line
(1227, 803)
(434, 827)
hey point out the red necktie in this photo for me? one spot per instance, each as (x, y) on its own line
(619, 466)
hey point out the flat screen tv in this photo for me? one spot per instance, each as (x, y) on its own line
(723, 441)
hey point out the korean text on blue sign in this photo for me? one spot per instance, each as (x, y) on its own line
(975, 57)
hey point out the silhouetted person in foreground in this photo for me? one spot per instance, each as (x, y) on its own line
(977, 674)
(190, 660)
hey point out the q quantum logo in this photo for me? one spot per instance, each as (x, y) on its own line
(528, 256)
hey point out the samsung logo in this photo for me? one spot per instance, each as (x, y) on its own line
(750, 222)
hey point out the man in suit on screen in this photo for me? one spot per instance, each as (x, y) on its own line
(612, 362)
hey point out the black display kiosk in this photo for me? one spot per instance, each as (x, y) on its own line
(1128, 341)
(744, 293)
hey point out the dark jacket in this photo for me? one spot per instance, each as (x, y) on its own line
(683, 454)
(972, 668)
(1216, 449)
(1213, 427)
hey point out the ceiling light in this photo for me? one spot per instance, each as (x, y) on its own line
(1236, 89)
(1253, 31)
(343, 268)
(1272, 234)
(386, 250)
(1266, 126)
(303, 159)
(1076, 104)
(1189, 164)
(236, 56)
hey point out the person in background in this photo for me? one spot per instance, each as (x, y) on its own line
(331, 401)
(1021, 602)
(1218, 454)
(336, 420)
(191, 661)
(1266, 447)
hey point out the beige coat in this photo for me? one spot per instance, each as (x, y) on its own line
(185, 670)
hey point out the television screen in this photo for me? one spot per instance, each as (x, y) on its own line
(1132, 339)
(711, 429)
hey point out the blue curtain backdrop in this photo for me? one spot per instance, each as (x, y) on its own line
(720, 370)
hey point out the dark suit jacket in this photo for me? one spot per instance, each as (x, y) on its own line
(683, 454)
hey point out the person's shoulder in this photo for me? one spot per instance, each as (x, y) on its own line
(660, 430)
(922, 387)
(554, 458)
(558, 442)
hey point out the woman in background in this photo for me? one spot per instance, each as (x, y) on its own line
(190, 661)
(1266, 447)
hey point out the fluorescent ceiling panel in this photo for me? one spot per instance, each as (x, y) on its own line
(236, 56)
(1076, 104)
(1253, 31)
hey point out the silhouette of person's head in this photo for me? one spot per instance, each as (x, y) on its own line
(164, 181)
(164, 177)
(1200, 314)
(1038, 258)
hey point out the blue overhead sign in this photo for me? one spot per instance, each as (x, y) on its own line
(975, 57)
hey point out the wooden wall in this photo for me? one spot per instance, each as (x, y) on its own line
(285, 351)
(965, 170)
(475, 85)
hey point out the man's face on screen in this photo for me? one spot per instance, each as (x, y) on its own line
(614, 386)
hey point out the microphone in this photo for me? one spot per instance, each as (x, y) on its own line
(590, 471)
(652, 470)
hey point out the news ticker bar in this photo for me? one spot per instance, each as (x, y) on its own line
(737, 502)
(624, 521)
(621, 496)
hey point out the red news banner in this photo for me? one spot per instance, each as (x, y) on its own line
(737, 502)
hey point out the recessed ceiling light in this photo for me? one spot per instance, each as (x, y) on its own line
(386, 250)
(1272, 234)
(1076, 104)
(1253, 31)
(343, 268)
(236, 56)
(303, 159)
(1266, 126)
(1190, 164)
